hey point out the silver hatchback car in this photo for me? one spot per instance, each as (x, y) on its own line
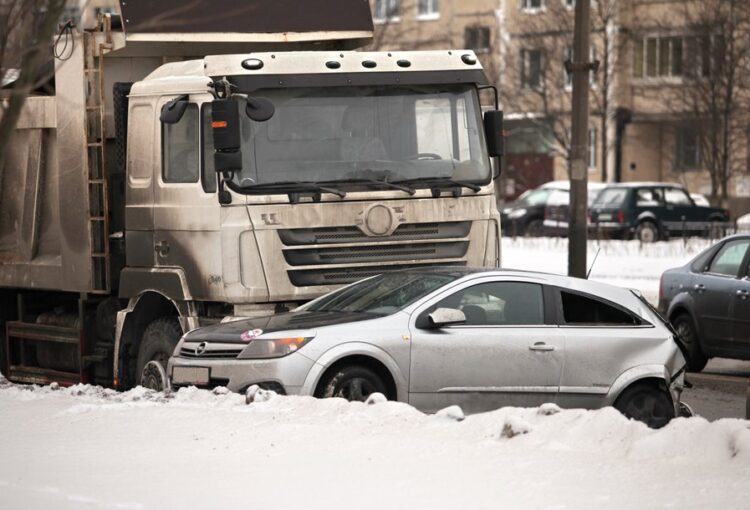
(435, 337)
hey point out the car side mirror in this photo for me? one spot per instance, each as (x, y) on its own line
(442, 317)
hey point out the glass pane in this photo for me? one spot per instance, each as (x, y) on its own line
(180, 148)
(638, 58)
(676, 57)
(208, 174)
(729, 258)
(664, 64)
(499, 304)
(650, 57)
(676, 196)
(578, 309)
(647, 197)
(611, 197)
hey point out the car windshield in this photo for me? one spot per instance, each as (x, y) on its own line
(353, 137)
(381, 295)
(535, 196)
(610, 197)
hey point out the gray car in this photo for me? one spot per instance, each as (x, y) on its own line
(708, 302)
(481, 339)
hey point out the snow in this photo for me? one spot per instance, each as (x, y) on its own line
(88, 447)
(628, 264)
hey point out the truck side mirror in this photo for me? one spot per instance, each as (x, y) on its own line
(259, 109)
(225, 124)
(493, 131)
(172, 112)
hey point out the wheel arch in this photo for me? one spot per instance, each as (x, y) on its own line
(131, 323)
(649, 374)
(358, 354)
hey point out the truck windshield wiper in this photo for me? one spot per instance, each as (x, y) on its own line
(384, 184)
(295, 186)
(437, 181)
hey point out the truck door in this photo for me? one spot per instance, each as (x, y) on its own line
(186, 209)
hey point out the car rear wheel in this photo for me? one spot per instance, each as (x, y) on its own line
(535, 228)
(683, 324)
(646, 232)
(646, 403)
(354, 383)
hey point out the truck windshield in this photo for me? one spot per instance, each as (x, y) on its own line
(357, 137)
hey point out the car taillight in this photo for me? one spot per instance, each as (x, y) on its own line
(620, 216)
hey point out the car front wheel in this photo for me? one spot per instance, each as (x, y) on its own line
(683, 324)
(646, 403)
(354, 383)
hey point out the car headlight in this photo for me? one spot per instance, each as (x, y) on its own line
(516, 213)
(261, 348)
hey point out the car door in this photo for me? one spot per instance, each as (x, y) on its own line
(507, 352)
(714, 292)
(680, 213)
(600, 340)
(740, 311)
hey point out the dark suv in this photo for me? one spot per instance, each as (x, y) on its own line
(651, 211)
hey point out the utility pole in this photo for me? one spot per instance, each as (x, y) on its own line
(580, 68)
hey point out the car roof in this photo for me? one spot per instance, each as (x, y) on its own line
(644, 184)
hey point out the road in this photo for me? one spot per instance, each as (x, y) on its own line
(719, 391)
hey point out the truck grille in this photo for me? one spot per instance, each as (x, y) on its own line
(411, 245)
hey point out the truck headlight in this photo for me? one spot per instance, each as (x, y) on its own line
(261, 348)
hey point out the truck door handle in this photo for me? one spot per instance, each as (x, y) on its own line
(162, 248)
(541, 347)
(742, 294)
(699, 287)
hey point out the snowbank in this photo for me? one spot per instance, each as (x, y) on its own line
(95, 448)
(628, 264)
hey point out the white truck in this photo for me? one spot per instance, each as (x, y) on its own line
(156, 191)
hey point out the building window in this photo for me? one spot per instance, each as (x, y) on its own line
(532, 72)
(592, 148)
(428, 9)
(570, 4)
(477, 38)
(687, 154)
(658, 57)
(386, 10)
(532, 5)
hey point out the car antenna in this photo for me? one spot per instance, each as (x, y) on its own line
(593, 262)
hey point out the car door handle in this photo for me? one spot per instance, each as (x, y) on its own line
(541, 347)
(742, 294)
(699, 287)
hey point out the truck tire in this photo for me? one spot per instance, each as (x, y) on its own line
(158, 342)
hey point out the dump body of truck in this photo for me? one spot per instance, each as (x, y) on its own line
(117, 233)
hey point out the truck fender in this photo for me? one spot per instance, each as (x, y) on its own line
(167, 281)
(632, 375)
(331, 356)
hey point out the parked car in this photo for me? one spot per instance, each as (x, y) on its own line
(477, 338)
(525, 215)
(708, 302)
(557, 211)
(651, 211)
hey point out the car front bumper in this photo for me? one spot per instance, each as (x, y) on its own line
(288, 373)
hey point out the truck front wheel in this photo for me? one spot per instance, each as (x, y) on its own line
(158, 342)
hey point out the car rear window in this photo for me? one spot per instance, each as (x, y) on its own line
(579, 309)
(611, 197)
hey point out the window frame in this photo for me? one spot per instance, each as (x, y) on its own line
(391, 14)
(560, 313)
(163, 148)
(202, 153)
(530, 9)
(479, 31)
(432, 13)
(741, 269)
(525, 84)
(678, 153)
(640, 64)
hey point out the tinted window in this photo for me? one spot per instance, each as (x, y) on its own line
(180, 148)
(611, 197)
(729, 258)
(578, 309)
(383, 294)
(499, 303)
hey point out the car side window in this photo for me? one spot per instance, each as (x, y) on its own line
(582, 310)
(180, 148)
(499, 304)
(648, 197)
(729, 258)
(676, 196)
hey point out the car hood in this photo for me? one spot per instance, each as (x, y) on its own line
(232, 332)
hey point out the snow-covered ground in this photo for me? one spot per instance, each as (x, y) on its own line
(624, 263)
(85, 447)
